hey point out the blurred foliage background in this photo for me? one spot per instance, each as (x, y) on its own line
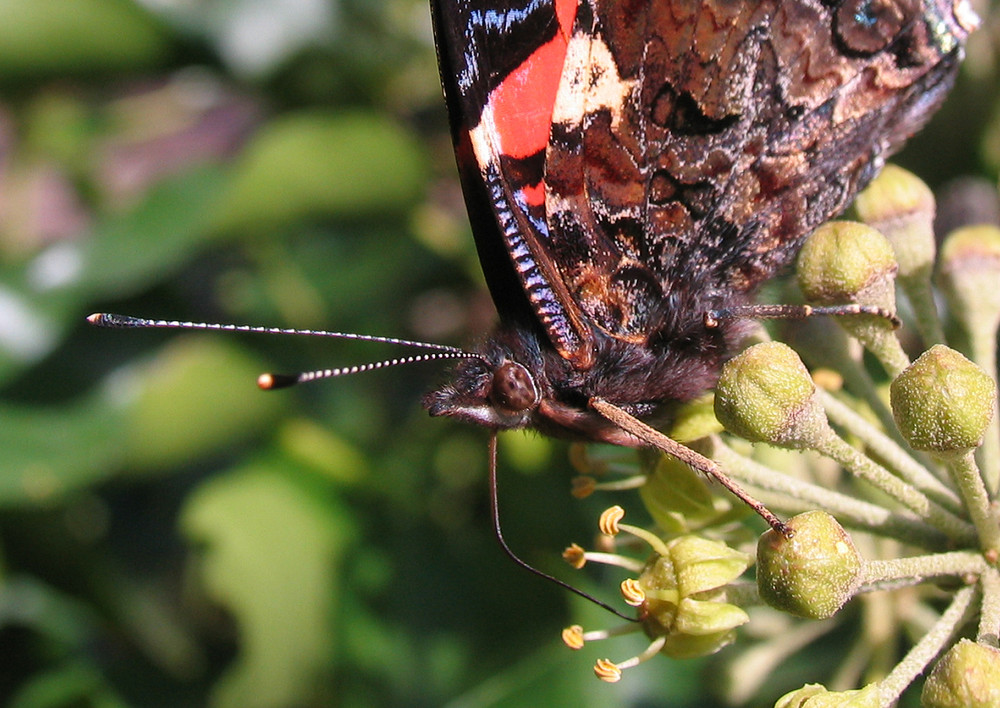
(172, 536)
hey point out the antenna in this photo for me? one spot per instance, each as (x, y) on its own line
(112, 321)
(270, 382)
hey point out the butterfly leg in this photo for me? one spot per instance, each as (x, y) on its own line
(796, 312)
(655, 438)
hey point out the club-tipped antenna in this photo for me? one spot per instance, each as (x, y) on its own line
(104, 319)
(275, 381)
(270, 382)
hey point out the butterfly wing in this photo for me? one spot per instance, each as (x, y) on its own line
(695, 145)
(631, 153)
(501, 65)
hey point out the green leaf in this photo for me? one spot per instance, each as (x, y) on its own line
(129, 253)
(270, 558)
(315, 164)
(48, 452)
(46, 37)
(198, 396)
(74, 684)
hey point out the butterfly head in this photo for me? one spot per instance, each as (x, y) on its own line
(501, 389)
(520, 381)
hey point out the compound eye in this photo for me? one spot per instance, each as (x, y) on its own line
(513, 388)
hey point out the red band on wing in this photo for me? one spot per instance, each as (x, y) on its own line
(522, 104)
(534, 194)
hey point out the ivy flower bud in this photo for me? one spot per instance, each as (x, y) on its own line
(815, 696)
(943, 403)
(765, 394)
(967, 676)
(845, 262)
(901, 207)
(678, 498)
(813, 573)
(968, 273)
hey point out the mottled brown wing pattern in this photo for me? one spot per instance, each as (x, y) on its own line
(694, 145)
(645, 162)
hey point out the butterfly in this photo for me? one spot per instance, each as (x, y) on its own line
(633, 167)
(634, 170)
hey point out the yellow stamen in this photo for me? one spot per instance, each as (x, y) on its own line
(611, 672)
(575, 556)
(608, 523)
(573, 637)
(608, 671)
(632, 592)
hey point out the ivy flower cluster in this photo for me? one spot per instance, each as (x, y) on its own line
(892, 493)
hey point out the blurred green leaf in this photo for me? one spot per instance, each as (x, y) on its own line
(50, 451)
(318, 448)
(197, 397)
(41, 299)
(313, 164)
(134, 250)
(527, 451)
(62, 622)
(74, 684)
(40, 37)
(270, 557)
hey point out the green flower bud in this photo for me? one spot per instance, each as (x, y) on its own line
(845, 262)
(694, 420)
(815, 696)
(678, 498)
(967, 676)
(811, 574)
(702, 565)
(969, 273)
(690, 646)
(766, 395)
(901, 207)
(704, 618)
(943, 402)
(692, 565)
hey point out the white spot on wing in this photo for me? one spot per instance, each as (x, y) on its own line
(590, 82)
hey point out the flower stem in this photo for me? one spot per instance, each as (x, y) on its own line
(749, 670)
(834, 350)
(918, 291)
(887, 450)
(875, 474)
(983, 345)
(852, 512)
(916, 569)
(889, 352)
(969, 481)
(989, 614)
(929, 646)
